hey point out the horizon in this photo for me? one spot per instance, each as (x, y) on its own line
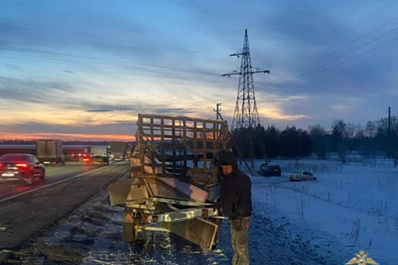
(132, 138)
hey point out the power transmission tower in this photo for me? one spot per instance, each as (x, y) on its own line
(245, 114)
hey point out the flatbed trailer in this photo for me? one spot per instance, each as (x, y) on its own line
(173, 184)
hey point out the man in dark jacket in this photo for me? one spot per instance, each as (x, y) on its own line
(236, 204)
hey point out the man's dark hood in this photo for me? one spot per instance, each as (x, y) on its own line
(229, 158)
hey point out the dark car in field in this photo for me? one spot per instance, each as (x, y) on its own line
(269, 170)
(25, 167)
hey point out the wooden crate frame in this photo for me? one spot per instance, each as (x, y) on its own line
(181, 147)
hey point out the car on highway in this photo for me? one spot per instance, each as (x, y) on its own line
(301, 176)
(25, 167)
(269, 170)
(81, 157)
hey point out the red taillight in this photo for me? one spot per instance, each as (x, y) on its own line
(21, 189)
(22, 165)
(86, 159)
(1, 165)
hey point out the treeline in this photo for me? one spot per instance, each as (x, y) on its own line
(375, 138)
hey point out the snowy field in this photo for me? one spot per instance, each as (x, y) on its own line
(349, 208)
(356, 203)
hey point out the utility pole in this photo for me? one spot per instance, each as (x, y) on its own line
(218, 111)
(245, 113)
(389, 133)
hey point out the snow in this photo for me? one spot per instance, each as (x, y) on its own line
(349, 208)
(356, 203)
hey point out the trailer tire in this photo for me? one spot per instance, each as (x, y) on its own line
(131, 231)
(131, 226)
(128, 232)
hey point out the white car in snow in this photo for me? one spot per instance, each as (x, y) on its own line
(301, 176)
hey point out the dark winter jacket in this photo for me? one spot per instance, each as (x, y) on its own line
(235, 189)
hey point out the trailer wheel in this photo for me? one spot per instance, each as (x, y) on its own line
(131, 228)
(128, 232)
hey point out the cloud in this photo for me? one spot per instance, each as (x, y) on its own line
(110, 108)
(36, 128)
(138, 108)
(28, 90)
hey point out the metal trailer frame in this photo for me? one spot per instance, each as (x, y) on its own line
(173, 184)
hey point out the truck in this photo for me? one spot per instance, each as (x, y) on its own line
(173, 184)
(99, 154)
(50, 151)
(117, 150)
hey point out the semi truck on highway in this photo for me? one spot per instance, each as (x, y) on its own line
(117, 150)
(50, 151)
(99, 154)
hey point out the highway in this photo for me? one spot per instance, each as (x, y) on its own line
(54, 174)
(26, 210)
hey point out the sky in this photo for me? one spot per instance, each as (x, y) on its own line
(83, 70)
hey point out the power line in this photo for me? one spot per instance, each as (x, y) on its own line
(352, 58)
(335, 59)
(101, 59)
(341, 47)
(340, 57)
(124, 69)
(100, 37)
(297, 79)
